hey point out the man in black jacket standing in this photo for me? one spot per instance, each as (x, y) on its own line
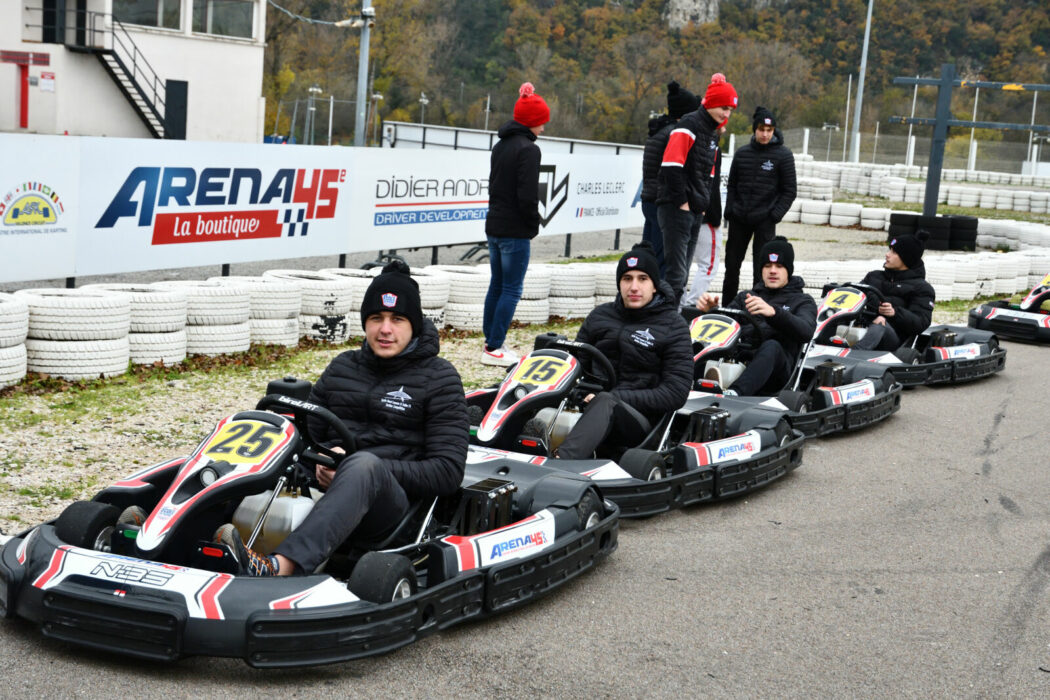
(907, 304)
(785, 315)
(647, 341)
(760, 190)
(513, 219)
(684, 181)
(406, 407)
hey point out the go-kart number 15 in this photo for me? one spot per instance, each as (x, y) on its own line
(711, 331)
(542, 370)
(243, 441)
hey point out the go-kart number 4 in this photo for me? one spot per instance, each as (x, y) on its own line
(842, 300)
(543, 371)
(708, 331)
(243, 441)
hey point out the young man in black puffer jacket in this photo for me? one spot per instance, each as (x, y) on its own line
(785, 315)
(908, 298)
(761, 187)
(648, 344)
(406, 407)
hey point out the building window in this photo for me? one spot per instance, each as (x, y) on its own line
(225, 17)
(149, 13)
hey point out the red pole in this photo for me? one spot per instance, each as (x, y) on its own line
(23, 110)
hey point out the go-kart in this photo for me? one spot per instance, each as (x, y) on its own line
(136, 570)
(822, 396)
(941, 354)
(1025, 321)
(713, 447)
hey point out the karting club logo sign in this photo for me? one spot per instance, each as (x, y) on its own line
(632, 262)
(773, 257)
(553, 194)
(31, 204)
(191, 205)
(389, 300)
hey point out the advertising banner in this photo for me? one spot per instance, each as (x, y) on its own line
(39, 195)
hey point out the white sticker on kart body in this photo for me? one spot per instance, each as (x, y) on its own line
(515, 541)
(864, 390)
(478, 455)
(733, 449)
(828, 350)
(957, 351)
(328, 592)
(607, 472)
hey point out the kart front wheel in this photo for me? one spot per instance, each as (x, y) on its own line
(87, 524)
(643, 464)
(382, 577)
(589, 510)
(907, 355)
(795, 401)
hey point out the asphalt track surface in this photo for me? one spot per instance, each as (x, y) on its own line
(909, 559)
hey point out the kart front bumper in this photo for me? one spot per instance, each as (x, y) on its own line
(846, 417)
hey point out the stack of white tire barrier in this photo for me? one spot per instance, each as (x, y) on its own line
(815, 212)
(534, 305)
(77, 333)
(157, 332)
(844, 214)
(466, 295)
(875, 218)
(326, 304)
(216, 316)
(359, 280)
(273, 308)
(572, 290)
(793, 215)
(434, 288)
(14, 325)
(815, 188)
(606, 286)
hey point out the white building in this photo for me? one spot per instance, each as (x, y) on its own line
(133, 68)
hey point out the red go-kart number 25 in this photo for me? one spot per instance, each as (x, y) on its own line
(542, 371)
(243, 441)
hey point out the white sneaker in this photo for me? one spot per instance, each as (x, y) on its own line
(499, 358)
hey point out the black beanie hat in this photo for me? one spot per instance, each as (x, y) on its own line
(910, 248)
(680, 101)
(640, 257)
(780, 251)
(394, 290)
(761, 117)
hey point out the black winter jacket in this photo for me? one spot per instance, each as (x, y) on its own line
(659, 130)
(911, 295)
(762, 183)
(796, 313)
(514, 177)
(409, 410)
(685, 171)
(713, 213)
(649, 348)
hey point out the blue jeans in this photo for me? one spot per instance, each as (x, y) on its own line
(508, 260)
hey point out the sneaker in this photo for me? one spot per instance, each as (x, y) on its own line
(252, 563)
(730, 392)
(133, 515)
(499, 358)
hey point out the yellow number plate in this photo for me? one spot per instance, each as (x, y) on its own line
(705, 330)
(838, 299)
(243, 442)
(542, 371)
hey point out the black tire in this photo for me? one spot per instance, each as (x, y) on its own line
(899, 230)
(85, 524)
(589, 510)
(903, 218)
(382, 577)
(907, 355)
(783, 432)
(643, 464)
(993, 344)
(795, 401)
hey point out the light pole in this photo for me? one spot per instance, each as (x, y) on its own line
(311, 112)
(376, 97)
(829, 127)
(423, 102)
(365, 22)
(854, 151)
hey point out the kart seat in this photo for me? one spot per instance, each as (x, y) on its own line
(725, 373)
(852, 335)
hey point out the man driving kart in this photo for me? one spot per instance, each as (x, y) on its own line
(647, 342)
(406, 407)
(784, 315)
(907, 298)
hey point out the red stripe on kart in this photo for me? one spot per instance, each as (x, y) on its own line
(24, 547)
(208, 596)
(465, 552)
(703, 457)
(836, 399)
(289, 602)
(538, 460)
(58, 558)
(942, 352)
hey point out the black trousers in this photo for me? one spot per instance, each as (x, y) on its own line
(678, 226)
(364, 499)
(767, 372)
(879, 337)
(737, 239)
(605, 415)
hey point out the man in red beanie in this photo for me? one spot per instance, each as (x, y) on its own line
(684, 180)
(513, 219)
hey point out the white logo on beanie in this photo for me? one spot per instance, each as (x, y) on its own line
(767, 120)
(389, 300)
(632, 262)
(773, 257)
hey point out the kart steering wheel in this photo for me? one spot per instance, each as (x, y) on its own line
(746, 321)
(874, 298)
(301, 410)
(588, 355)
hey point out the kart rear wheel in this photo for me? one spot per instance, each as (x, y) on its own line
(794, 401)
(589, 510)
(783, 433)
(382, 577)
(643, 464)
(907, 355)
(87, 524)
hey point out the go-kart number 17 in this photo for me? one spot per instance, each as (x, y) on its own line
(711, 331)
(243, 441)
(542, 370)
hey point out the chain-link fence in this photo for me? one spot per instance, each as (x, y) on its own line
(314, 120)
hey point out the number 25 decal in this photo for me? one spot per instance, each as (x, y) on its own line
(243, 441)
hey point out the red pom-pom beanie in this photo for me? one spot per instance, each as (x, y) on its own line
(719, 93)
(531, 109)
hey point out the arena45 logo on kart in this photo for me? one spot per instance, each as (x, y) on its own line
(184, 205)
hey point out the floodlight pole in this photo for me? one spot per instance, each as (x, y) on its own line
(854, 151)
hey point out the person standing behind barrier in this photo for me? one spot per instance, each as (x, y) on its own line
(513, 219)
(685, 176)
(704, 250)
(679, 103)
(759, 193)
